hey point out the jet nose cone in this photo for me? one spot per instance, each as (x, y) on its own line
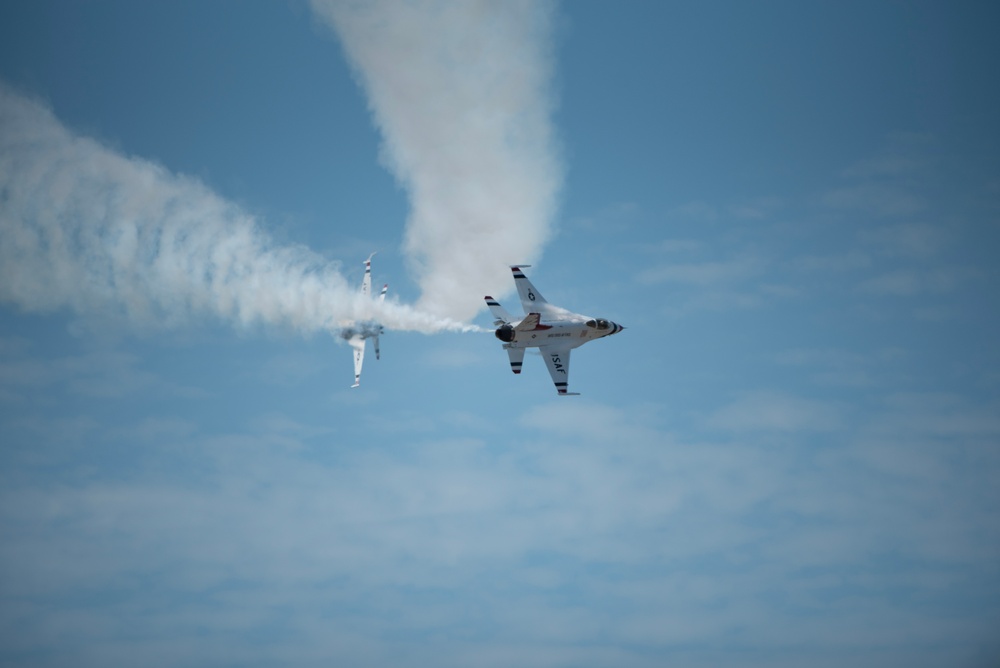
(617, 327)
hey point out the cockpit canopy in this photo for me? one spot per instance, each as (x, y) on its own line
(600, 323)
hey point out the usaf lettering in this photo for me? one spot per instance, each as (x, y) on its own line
(557, 364)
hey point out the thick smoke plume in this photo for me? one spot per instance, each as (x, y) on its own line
(461, 93)
(86, 228)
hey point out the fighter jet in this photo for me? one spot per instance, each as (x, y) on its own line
(357, 333)
(553, 330)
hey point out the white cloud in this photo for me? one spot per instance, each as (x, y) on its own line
(96, 374)
(921, 281)
(592, 528)
(883, 200)
(849, 261)
(616, 218)
(914, 240)
(737, 282)
(903, 156)
(886, 165)
(901, 283)
(679, 246)
(704, 274)
(697, 210)
(447, 357)
(88, 229)
(758, 208)
(776, 411)
(462, 95)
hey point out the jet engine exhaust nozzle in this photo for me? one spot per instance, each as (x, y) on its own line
(505, 333)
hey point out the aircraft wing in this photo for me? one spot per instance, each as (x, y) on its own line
(557, 360)
(359, 358)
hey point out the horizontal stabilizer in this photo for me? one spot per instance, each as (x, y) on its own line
(516, 359)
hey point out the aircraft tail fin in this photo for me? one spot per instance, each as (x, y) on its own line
(366, 282)
(531, 298)
(500, 314)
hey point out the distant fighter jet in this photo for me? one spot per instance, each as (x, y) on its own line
(553, 330)
(357, 333)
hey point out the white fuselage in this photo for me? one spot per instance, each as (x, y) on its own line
(564, 333)
(361, 330)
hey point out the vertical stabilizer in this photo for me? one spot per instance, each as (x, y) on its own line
(500, 314)
(366, 282)
(531, 298)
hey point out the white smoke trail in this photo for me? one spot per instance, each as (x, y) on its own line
(461, 93)
(86, 228)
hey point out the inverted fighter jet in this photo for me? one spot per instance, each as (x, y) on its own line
(358, 332)
(553, 330)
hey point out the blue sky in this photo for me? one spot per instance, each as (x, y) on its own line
(790, 457)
